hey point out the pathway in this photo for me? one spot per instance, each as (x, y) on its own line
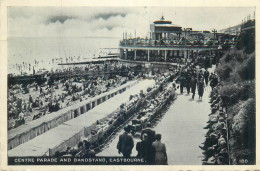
(181, 129)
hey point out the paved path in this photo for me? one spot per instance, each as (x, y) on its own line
(181, 129)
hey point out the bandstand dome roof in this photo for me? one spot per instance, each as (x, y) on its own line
(164, 23)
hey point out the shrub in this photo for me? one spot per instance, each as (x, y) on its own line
(232, 55)
(232, 93)
(236, 66)
(224, 71)
(247, 69)
(233, 110)
(244, 116)
(237, 73)
(243, 131)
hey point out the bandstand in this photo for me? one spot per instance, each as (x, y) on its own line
(167, 43)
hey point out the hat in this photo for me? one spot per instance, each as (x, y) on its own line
(127, 128)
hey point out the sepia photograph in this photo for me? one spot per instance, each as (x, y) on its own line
(144, 85)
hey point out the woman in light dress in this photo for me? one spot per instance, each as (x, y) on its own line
(160, 155)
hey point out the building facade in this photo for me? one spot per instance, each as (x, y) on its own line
(167, 43)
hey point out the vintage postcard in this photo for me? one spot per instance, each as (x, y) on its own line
(128, 84)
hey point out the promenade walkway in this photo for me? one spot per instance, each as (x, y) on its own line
(181, 128)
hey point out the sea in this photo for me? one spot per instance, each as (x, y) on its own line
(26, 54)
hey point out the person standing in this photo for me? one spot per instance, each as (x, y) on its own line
(125, 143)
(201, 88)
(188, 79)
(206, 76)
(211, 76)
(30, 99)
(149, 132)
(173, 89)
(200, 75)
(143, 148)
(21, 118)
(160, 155)
(36, 87)
(213, 81)
(193, 86)
(182, 80)
(150, 139)
(207, 62)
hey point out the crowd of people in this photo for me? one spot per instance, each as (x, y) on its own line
(93, 68)
(39, 66)
(150, 147)
(195, 76)
(101, 130)
(192, 80)
(84, 149)
(150, 144)
(215, 148)
(28, 102)
(52, 95)
(177, 41)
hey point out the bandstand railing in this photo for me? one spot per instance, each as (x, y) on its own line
(171, 43)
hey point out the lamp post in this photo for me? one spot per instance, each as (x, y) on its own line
(214, 38)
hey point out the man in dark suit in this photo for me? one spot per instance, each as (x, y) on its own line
(206, 76)
(143, 148)
(150, 133)
(193, 85)
(125, 143)
(188, 80)
(182, 81)
(150, 139)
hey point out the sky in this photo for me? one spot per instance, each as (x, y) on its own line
(113, 21)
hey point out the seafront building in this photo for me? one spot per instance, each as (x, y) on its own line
(169, 41)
